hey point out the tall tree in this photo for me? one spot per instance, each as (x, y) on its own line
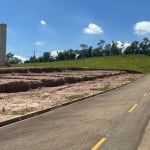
(87, 51)
(145, 46)
(12, 59)
(60, 56)
(107, 50)
(135, 47)
(115, 50)
(83, 46)
(101, 44)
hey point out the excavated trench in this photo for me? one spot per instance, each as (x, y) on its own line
(24, 79)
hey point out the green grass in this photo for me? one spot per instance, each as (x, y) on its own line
(105, 88)
(23, 111)
(130, 62)
(73, 97)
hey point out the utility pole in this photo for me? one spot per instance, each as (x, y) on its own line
(34, 55)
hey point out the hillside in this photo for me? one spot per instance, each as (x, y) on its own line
(131, 62)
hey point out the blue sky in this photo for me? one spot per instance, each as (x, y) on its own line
(47, 25)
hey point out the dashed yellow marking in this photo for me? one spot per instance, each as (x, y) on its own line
(99, 144)
(145, 94)
(133, 107)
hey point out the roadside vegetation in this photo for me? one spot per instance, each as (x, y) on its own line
(73, 97)
(102, 49)
(131, 62)
(105, 88)
(135, 56)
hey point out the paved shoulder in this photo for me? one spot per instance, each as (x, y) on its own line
(145, 142)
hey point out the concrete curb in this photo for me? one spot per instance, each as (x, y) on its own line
(20, 118)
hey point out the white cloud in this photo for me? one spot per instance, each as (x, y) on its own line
(20, 57)
(39, 43)
(54, 53)
(123, 45)
(43, 22)
(93, 29)
(126, 44)
(142, 28)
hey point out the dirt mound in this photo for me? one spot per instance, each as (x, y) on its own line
(19, 80)
(24, 79)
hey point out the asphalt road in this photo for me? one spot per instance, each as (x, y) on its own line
(111, 121)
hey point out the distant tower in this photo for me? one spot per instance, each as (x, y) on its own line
(3, 30)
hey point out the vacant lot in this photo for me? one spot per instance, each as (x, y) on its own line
(24, 90)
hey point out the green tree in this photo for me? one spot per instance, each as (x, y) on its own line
(60, 56)
(32, 59)
(128, 50)
(12, 59)
(71, 54)
(133, 48)
(87, 51)
(144, 46)
(83, 46)
(107, 50)
(101, 44)
(115, 50)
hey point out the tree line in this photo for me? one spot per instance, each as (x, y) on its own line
(102, 49)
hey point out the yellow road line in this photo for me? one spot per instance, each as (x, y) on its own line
(145, 94)
(99, 144)
(133, 107)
